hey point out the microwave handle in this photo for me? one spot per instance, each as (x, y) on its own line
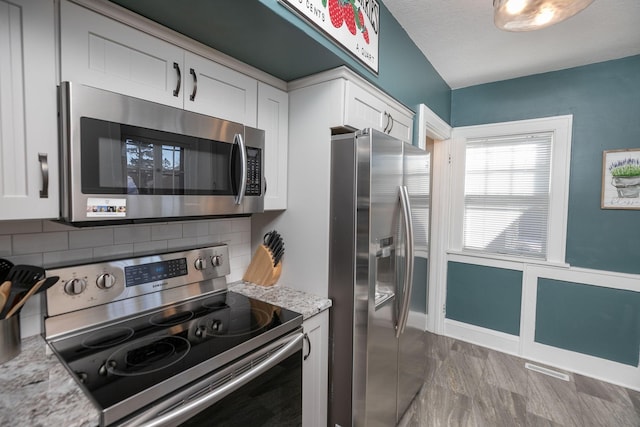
(237, 139)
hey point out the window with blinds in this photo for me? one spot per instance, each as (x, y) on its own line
(506, 196)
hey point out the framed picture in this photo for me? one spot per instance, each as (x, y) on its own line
(621, 179)
(352, 25)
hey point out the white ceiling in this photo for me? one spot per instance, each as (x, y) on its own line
(459, 39)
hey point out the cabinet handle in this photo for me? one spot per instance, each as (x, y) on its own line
(44, 169)
(176, 67)
(386, 125)
(195, 84)
(306, 338)
(393, 122)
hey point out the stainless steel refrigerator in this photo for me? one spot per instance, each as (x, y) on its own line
(377, 360)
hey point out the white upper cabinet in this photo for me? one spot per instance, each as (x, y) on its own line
(28, 128)
(361, 105)
(273, 118)
(100, 52)
(218, 91)
(104, 53)
(365, 108)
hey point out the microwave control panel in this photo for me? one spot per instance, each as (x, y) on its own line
(254, 172)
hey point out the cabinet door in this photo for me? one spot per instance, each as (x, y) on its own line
(219, 91)
(315, 371)
(28, 128)
(365, 109)
(401, 125)
(273, 118)
(99, 52)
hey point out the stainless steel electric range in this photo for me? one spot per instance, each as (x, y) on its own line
(159, 341)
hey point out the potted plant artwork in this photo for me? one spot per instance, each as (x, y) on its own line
(626, 177)
(621, 172)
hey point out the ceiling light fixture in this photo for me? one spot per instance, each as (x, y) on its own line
(527, 15)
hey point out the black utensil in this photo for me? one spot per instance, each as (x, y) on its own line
(5, 267)
(5, 289)
(22, 278)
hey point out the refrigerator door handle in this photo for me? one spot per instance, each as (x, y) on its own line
(408, 276)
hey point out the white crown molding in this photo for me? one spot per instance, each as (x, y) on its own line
(432, 125)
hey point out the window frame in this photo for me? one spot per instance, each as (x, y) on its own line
(561, 126)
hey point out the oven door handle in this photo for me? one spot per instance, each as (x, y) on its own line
(192, 408)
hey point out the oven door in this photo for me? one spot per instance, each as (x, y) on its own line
(264, 388)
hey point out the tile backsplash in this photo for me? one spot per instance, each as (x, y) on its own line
(46, 243)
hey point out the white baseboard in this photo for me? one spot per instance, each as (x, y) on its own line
(495, 340)
(590, 366)
(583, 364)
(417, 320)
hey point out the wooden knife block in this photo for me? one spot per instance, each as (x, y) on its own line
(261, 270)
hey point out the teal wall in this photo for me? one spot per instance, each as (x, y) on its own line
(484, 296)
(403, 71)
(593, 320)
(270, 37)
(604, 99)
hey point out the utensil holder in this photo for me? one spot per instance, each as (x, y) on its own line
(9, 338)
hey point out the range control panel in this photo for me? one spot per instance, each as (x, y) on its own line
(88, 285)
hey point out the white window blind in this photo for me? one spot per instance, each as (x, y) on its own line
(506, 197)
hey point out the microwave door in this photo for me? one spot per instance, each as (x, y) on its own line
(134, 173)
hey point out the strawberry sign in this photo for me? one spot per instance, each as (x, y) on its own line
(352, 24)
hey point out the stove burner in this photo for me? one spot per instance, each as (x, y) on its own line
(217, 302)
(147, 355)
(162, 319)
(242, 322)
(108, 338)
(230, 298)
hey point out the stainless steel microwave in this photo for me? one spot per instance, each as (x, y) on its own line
(126, 160)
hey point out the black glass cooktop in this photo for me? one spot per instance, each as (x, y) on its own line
(172, 346)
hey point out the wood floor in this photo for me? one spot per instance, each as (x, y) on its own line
(471, 386)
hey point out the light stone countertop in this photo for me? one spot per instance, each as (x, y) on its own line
(301, 302)
(36, 390)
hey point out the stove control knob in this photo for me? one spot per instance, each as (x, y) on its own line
(215, 325)
(104, 369)
(82, 377)
(200, 331)
(75, 286)
(216, 260)
(106, 281)
(200, 264)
